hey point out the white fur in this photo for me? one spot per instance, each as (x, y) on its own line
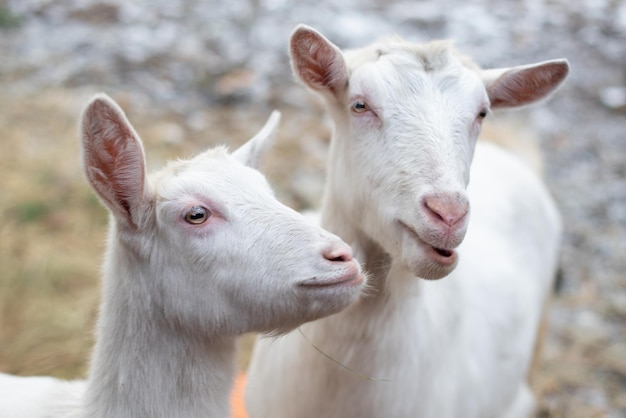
(458, 347)
(177, 294)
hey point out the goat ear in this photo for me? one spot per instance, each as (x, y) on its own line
(251, 152)
(316, 61)
(113, 158)
(523, 85)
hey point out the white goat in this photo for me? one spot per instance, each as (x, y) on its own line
(406, 118)
(198, 254)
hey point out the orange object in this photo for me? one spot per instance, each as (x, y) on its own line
(237, 406)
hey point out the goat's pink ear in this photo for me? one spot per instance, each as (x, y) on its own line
(317, 61)
(523, 85)
(113, 158)
(251, 152)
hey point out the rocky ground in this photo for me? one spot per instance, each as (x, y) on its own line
(180, 60)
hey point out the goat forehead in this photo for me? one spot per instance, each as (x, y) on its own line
(220, 177)
(393, 81)
(396, 72)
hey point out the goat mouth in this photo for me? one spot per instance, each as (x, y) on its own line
(442, 252)
(442, 256)
(349, 279)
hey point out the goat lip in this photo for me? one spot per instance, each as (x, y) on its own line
(347, 279)
(442, 256)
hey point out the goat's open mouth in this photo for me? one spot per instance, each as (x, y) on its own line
(442, 252)
(442, 256)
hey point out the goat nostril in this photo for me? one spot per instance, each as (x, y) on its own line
(447, 209)
(338, 254)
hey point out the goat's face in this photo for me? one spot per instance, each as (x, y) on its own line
(406, 126)
(406, 121)
(409, 135)
(204, 244)
(227, 246)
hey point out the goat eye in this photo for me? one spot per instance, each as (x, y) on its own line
(197, 215)
(360, 107)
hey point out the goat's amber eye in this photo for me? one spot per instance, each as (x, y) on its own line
(197, 215)
(360, 107)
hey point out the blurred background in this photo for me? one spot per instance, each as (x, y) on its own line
(194, 73)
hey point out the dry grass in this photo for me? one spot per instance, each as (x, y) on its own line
(50, 239)
(583, 369)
